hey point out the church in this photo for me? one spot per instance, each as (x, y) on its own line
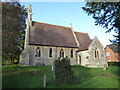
(44, 43)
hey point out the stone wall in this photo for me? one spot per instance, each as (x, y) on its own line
(85, 58)
(82, 58)
(44, 58)
(100, 61)
(88, 57)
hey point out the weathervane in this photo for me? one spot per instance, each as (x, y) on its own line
(71, 25)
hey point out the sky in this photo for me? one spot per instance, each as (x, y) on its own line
(68, 14)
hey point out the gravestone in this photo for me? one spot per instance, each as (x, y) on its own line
(44, 83)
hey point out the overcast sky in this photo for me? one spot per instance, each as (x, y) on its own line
(65, 13)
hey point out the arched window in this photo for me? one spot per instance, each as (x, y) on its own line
(61, 53)
(38, 52)
(87, 57)
(50, 52)
(71, 53)
(96, 53)
(79, 62)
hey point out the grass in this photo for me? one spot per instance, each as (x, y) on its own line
(32, 77)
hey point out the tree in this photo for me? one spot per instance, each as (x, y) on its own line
(13, 29)
(107, 15)
(63, 71)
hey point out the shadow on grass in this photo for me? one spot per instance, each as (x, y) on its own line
(25, 77)
(115, 70)
(84, 76)
(32, 77)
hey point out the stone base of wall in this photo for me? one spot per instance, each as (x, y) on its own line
(97, 66)
(24, 59)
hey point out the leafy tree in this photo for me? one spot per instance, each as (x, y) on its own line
(13, 26)
(107, 15)
(63, 71)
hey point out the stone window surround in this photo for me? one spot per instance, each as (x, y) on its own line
(71, 53)
(61, 53)
(50, 52)
(38, 53)
(97, 53)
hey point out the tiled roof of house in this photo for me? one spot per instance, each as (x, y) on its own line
(84, 40)
(51, 35)
(114, 48)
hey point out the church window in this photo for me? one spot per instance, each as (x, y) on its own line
(50, 52)
(96, 53)
(79, 62)
(38, 52)
(107, 54)
(87, 57)
(61, 53)
(71, 53)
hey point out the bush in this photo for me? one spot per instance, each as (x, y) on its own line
(63, 71)
(114, 64)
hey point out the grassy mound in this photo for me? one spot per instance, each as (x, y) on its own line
(32, 77)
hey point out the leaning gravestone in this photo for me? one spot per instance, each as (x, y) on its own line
(53, 69)
(44, 83)
(105, 67)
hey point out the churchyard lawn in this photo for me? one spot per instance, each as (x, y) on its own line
(32, 77)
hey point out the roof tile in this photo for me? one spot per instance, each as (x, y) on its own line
(51, 35)
(84, 40)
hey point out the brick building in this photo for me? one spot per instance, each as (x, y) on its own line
(112, 53)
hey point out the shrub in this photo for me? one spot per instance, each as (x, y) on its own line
(63, 71)
(114, 64)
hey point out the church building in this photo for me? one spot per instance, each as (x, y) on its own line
(44, 43)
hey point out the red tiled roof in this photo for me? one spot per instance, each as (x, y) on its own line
(84, 40)
(51, 35)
